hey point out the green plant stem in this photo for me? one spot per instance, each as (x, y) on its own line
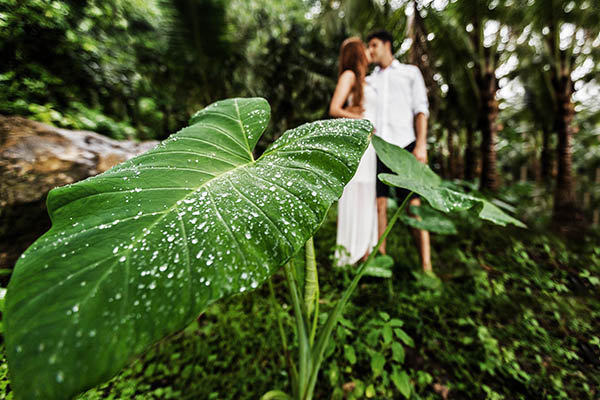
(304, 349)
(286, 352)
(311, 287)
(323, 339)
(315, 322)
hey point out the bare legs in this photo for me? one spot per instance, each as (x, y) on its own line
(421, 237)
(381, 220)
(422, 241)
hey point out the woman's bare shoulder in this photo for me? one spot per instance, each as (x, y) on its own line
(348, 75)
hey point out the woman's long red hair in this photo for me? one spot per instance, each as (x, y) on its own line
(353, 58)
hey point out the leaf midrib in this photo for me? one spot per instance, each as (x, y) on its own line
(237, 109)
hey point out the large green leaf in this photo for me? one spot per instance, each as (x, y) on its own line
(139, 251)
(419, 178)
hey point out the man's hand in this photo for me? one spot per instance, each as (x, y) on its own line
(420, 153)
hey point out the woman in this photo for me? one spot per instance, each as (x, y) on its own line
(357, 208)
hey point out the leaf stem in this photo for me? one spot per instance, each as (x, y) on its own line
(323, 338)
(311, 287)
(286, 352)
(303, 343)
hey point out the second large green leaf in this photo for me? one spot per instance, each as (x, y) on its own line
(419, 178)
(138, 252)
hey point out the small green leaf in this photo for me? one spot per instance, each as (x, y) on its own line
(467, 340)
(373, 337)
(359, 389)
(377, 272)
(383, 262)
(346, 323)
(377, 363)
(384, 316)
(380, 267)
(402, 382)
(387, 334)
(370, 392)
(397, 352)
(187, 371)
(350, 354)
(334, 373)
(400, 334)
(424, 378)
(396, 323)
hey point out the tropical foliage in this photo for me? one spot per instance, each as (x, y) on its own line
(160, 237)
(513, 89)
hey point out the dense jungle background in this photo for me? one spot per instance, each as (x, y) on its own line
(514, 91)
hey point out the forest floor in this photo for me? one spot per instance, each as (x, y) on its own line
(515, 314)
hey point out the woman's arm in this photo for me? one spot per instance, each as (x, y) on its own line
(342, 91)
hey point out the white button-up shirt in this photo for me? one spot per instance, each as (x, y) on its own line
(401, 95)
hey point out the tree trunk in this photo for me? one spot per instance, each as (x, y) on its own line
(523, 173)
(546, 156)
(534, 164)
(564, 212)
(470, 154)
(166, 120)
(451, 155)
(586, 200)
(132, 113)
(487, 125)
(438, 158)
(596, 212)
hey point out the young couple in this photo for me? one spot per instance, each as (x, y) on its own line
(393, 97)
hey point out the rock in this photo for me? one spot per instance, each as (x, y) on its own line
(35, 158)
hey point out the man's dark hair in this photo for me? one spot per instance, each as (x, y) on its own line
(382, 35)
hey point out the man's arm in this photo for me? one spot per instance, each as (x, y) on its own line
(420, 151)
(421, 113)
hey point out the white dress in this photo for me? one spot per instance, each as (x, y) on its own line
(357, 208)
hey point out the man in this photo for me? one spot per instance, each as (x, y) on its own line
(401, 118)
